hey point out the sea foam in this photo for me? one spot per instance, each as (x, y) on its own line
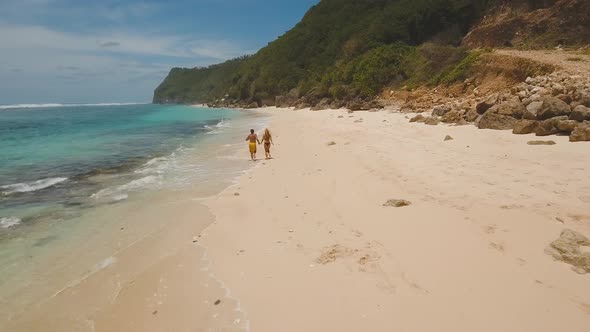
(31, 186)
(16, 106)
(9, 222)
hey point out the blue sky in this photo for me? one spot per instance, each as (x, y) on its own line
(85, 51)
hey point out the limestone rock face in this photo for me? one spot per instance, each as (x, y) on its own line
(581, 133)
(568, 248)
(580, 113)
(524, 126)
(496, 121)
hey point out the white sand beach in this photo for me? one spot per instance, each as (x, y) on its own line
(303, 242)
(308, 245)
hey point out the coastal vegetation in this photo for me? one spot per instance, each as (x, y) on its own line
(352, 49)
(341, 48)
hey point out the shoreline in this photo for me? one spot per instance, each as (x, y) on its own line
(147, 245)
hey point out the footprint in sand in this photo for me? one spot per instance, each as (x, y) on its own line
(579, 217)
(511, 206)
(585, 307)
(490, 229)
(497, 246)
(585, 198)
(365, 259)
(413, 284)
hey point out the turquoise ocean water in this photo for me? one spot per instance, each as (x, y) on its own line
(78, 184)
(57, 157)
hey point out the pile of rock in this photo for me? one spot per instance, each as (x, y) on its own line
(546, 105)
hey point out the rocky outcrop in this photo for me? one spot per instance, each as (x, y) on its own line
(397, 203)
(581, 133)
(532, 110)
(512, 107)
(432, 121)
(568, 248)
(471, 115)
(580, 113)
(567, 126)
(496, 121)
(524, 126)
(440, 110)
(323, 104)
(453, 116)
(418, 118)
(285, 101)
(549, 126)
(486, 104)
(552, 107)
(532, 24)
(541, 143)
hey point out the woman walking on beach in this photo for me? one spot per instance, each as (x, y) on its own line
(253, 138)
(267, 139)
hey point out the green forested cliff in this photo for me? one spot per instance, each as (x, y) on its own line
(342, 49)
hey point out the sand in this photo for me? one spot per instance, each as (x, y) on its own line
(314, 241)
(308, 244)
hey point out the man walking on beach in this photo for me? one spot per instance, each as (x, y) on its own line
(253, 138)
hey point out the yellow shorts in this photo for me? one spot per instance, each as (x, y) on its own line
(252, 147)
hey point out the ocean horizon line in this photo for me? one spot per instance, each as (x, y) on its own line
(51, 105)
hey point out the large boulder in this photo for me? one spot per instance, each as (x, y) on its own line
(580, 113)
(568, 248)
(323, 104)
(471, 115)
(496, 121)
(549, 126)
(512, 107)
(418, 118)
(432, 121)
(358, 105)
(486, 104)
(440, 110)
(581, 133)
(285, 101)
(567, 126)
(532, 110)
(584, 100)
(552, 107)
(453, 116)
(524, 126)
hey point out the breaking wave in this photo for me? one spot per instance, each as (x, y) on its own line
(31, 186)
(17, 106)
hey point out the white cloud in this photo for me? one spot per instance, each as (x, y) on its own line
(97, 56)
(38, 37)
